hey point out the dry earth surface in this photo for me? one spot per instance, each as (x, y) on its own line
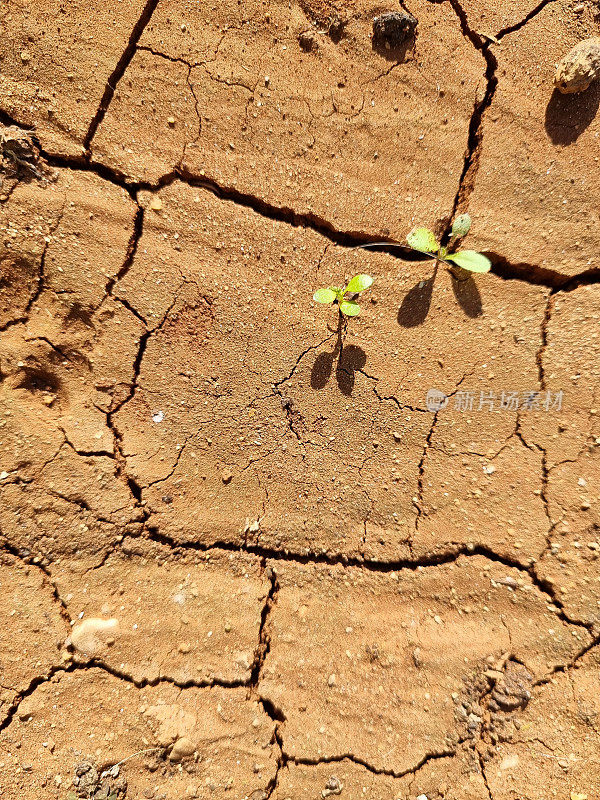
(239, 556)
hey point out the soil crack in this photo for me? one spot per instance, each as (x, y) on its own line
(313, 762)
(119, 71)
(501, 266)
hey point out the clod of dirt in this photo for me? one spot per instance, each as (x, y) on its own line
(93, 635)
(19, 154)
(336, 28)
(307, 42)
(576, 71)
(393, 29)
(182, 748)
(513, 690)
(92, 785)
(86, 778)
(333, 786)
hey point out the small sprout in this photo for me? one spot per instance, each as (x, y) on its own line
(423, 240)
(332, 294)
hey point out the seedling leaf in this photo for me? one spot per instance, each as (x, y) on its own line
(349, 309)
(423, 239)
(324, 296)
(359, 283)
(461, 226)
(470, 260)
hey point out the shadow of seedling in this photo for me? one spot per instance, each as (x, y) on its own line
(461, 264)
(348, 360)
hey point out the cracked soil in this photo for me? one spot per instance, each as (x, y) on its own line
(240, 557)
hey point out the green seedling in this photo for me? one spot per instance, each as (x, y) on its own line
(332, 294)
(424, 240)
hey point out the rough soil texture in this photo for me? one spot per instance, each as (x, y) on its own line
(240, 556)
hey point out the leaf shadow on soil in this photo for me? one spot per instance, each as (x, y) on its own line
(569, 115)
(348, 360)
(468, 297)
(415, 306)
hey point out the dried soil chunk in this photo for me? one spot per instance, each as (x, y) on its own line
(56, 61)
(534, 195)
(186, 619)
(451, 778)
(338, 136)
(90, 716)
(295, 466)
(551, 746)
(570, 437)
(32, 632)
(364, 627)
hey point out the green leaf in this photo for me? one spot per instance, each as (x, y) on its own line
(423, 239)
(359, 283)
(349, 309)
(461, 226)
(470, 260)
(324, 296)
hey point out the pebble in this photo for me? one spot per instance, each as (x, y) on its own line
(181, 749)
(226, 476)
(581, 65)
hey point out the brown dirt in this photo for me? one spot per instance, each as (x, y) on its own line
(239, 556)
